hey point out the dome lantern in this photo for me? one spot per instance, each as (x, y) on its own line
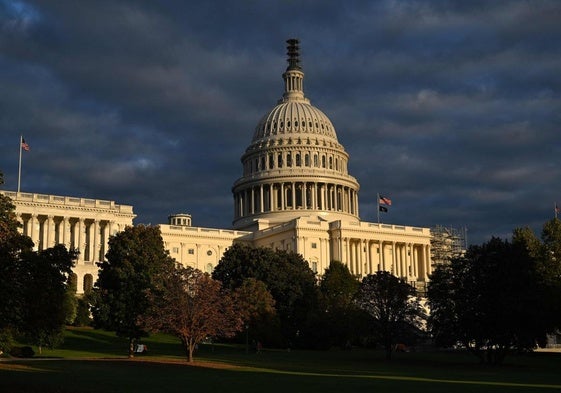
(294, 76)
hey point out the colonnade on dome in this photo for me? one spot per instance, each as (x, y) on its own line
(295, 195)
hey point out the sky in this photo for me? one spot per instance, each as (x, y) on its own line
(450, 108)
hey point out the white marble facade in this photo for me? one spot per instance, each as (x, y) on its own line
(81, 224)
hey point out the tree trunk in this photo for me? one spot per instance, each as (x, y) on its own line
(191, 349)
(131, 347)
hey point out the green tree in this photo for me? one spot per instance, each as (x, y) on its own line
(336, 321)
(287, 277)
(489, 300)
(12, 246)
(192, 306)
(392, 304)
(136, 262)
(257, 310)
(549, 268)
(46, 295)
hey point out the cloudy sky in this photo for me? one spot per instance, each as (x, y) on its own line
(451, 108)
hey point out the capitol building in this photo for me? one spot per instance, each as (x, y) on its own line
(294, 194)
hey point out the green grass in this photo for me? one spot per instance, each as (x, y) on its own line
(95, 361)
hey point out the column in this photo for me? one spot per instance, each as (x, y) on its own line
(428, 267)
(293, 195)
(33, 230)
(383, 264)
(81, 236)
(50, 231)
(261, 199)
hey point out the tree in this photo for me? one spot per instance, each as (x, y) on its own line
(549, 268)
(136, 262)
(257, 310)
(336, 321)
(392, 304)
(489, 300)
(192, 306)
(46, 295)
(287, 277)
(12, 246)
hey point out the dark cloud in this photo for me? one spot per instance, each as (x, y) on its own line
(450, 107)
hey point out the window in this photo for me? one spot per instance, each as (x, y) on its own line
(298, 161)
(88, 283)
(289, 160)
(315, 267)
(314, 245)
(307, 160)
(191, 251)
(175, 250)
(209, 253)
(279, 160)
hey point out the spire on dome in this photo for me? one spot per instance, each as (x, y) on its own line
(293, 76)
(293, 54)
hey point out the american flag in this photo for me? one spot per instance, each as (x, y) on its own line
(24, 145)
(385, 201)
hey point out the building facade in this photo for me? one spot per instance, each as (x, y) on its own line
(295, 194)
(79, 223)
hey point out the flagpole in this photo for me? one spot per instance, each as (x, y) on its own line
(19, 166)
(378, 204)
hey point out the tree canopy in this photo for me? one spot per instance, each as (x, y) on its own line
(34, 294)
(286, 275)
(136, 262)
(489, 300)
(392, 304)
(192, 306)
(337, 320)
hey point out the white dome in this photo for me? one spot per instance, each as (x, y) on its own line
(294, 117)
(294, 165)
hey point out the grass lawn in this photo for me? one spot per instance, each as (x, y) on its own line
(94, 361)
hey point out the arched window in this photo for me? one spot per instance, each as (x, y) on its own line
(73, 282)
(298, 161)
(289, 160)
(88, 283)
(209, 268)
(307, 160)
(279, 160)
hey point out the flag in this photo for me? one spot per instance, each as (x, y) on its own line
(385, 201)
(556, 209)
(383, 209)
(24, 145)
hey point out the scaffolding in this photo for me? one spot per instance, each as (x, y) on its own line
(447, 243)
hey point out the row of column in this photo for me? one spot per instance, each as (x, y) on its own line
(88, 236)
(407, 260)
(295, 195)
